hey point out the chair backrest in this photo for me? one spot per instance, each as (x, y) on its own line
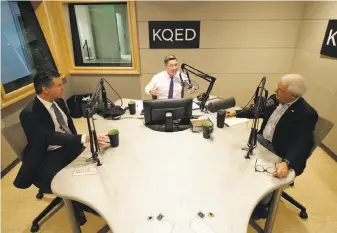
(16, 138)
(322, 128)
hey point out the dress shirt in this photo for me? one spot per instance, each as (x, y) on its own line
(162, 80)
(50, 109)
(269, 130)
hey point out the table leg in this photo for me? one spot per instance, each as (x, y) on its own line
(75, 227)
(272, 211)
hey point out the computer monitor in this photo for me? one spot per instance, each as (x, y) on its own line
(164, 111)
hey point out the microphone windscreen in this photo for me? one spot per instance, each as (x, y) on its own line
(216, 105)
(271, 100)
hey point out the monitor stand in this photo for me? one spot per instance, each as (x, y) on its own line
(161, 128)
(168, 122)
(170, 125)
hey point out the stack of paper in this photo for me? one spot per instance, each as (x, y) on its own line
(199, 226)
(198, 122)
(235, 121)
(195, 105)
(139, 105)
(86, 170)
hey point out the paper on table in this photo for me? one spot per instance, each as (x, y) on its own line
(165, 226)
(264, 163)
(86, 170)
(198, 122)
(235, 121)
(195, 106)
(198, 225)
(139, 105)
(155, 226)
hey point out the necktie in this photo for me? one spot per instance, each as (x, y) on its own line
(170, 93)
(60, 119)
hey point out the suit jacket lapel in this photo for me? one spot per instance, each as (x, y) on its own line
(292, 110)
(43, 113)
(290, 114)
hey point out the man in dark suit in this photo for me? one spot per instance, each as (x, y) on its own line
(288, 125)
(52, 139)
(287, 130)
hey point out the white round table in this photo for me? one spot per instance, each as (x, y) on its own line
(174, 174)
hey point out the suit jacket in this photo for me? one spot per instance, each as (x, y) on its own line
(40, 132)
(293, 136)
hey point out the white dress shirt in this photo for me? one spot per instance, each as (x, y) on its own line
(162, 80)
(268, 132)
(48, 105)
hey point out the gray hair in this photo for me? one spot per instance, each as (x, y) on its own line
(295, 83)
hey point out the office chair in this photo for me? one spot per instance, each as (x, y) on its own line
(17, 140)
(322, 128)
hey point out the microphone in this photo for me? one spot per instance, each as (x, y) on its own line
(259, 102)
(214, 106)
(265, 104)
(104, 98)
(272, 100)
(190, 85)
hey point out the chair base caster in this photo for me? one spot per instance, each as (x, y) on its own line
(35, 228)
(303, 215)
(39, 195)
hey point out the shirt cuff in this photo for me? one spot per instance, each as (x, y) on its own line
(286, 161)
(83, 141)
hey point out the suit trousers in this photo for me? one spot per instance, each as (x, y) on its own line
(53, 162)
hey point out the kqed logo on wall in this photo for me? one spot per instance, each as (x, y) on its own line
(329, 47)
(174, 34)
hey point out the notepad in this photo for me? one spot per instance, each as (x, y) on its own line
(235, 121)
(199, 121)
(139, 105)
(85, 170)
(156, 226)
(195, 106)
(198, 225)
(164, 227)
(196, 124)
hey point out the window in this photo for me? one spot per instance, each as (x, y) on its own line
(24, 50)
(100, 34)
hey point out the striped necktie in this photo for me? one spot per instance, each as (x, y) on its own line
(61, 120)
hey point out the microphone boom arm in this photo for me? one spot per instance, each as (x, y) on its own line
(94, 147)
(90, 109)
(257, 109)
(204, 96)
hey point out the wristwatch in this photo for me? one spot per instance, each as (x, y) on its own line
(286, 161)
